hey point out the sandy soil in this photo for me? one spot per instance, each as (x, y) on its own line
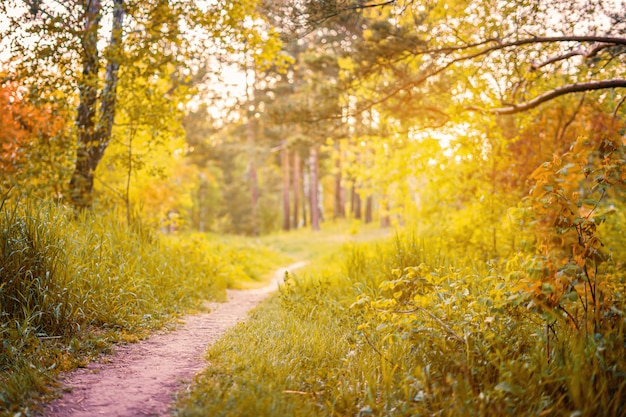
(141, 379)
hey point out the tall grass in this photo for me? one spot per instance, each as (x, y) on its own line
(405, 329)
(72, 285)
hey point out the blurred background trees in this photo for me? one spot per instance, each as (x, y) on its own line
(250, 117)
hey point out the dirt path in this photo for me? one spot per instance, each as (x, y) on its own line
(140, 379)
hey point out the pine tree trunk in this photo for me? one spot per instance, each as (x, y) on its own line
(369, 201)
(296, 187)
(252, 177)
(340, 209)
(385, 220)
(313, 190)
(305, 194)
(251, 139)
(284, 159)
(355, 202)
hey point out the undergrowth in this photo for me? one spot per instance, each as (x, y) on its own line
(403, 329)
(70, 286)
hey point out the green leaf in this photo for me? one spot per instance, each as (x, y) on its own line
(547, 288)
(590, 202)
(504, 387)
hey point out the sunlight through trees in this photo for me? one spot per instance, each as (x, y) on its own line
(495, 130)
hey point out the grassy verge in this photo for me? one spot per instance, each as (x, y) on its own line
(71, 287)
(399, 329)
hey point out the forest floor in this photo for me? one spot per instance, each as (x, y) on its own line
(142, 379)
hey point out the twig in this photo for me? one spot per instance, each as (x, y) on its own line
(437, 319)
(618, 106)
(314, 393)
(379, 352)
(572, 118)
(569, 316)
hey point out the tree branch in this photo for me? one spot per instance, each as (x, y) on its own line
(337, 12)
(437, 319)
(604, 41)
(557, 92)
(446, 57)
(618, 106)
(535, 66)
(368, 6)
(593, 51)
(571, 119)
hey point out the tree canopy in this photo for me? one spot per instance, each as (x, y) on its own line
(81, 51)
(364, 109)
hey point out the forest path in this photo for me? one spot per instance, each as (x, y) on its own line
(140, 379)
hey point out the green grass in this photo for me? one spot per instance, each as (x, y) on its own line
(71, 286)
(403, 329)
(373, 326)
(277, 363)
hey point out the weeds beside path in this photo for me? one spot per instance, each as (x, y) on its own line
(140, 379)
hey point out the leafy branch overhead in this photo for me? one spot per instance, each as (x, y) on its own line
(407, 51)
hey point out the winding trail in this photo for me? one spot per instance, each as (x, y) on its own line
(141, 379)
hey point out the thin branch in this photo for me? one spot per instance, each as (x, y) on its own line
(570, 317)
(337, 12)
(552, 60)
(437, 319)
(369, 6)
(118, 193)
(618, 106)
(595, 49)
(379, 352)
(605, 41)
(571, 119)
(357, 7)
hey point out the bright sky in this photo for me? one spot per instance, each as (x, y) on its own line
(4, 43)
(232, 82)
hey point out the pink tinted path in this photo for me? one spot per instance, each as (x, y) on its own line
(141, 379)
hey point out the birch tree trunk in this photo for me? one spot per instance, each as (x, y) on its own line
(94, 130)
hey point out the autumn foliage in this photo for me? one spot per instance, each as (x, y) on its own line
(569, 200)
(32, 141)
(14, 135)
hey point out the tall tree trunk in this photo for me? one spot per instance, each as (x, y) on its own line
(251, 138)
(94, 135)
(284, 159)
(340, 209)
(252, 177)
(355, 202)
(385, 220)
(129, 173)
(369, 201)
(305, 194)
(320, 199)
(296, 187)
(202, 203)
(313, 190)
